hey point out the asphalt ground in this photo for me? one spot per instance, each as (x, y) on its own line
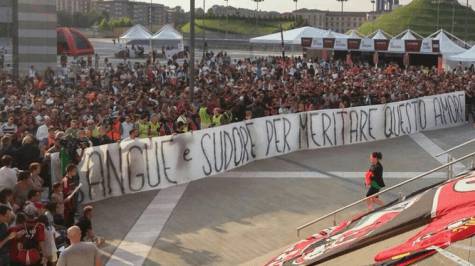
(236, 219)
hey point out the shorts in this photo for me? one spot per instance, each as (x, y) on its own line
(371, 191)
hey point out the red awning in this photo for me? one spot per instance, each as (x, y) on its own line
(71, 42)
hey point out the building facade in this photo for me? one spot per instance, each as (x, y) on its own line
(386, 5)
(74, 6)
(138, 12)
(31, 33)
(335, 20)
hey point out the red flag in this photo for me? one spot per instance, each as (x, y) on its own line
(453, 213)
(440, 65)
(367, 177)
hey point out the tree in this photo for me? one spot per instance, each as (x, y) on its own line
(81, 20)
(104, 25)
(257, 7)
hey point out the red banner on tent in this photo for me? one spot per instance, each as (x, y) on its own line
(381, 45)
(307, 42)
(413, 46)
(354, 44)
(328, 43)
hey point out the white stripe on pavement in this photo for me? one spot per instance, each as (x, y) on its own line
(137, 244)
(433, 149)
(314, 174)
(462, 246)
(451, 256)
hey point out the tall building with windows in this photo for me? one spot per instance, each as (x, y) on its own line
(335, 20)
(386, 5)
(73, 6)
(138, 12)
(30, 32)
(6, 31)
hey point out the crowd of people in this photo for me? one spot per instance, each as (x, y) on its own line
(77, 107)
(34, 219)
(103, 106)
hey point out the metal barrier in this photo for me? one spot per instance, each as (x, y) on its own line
(448, 165)
(456, 147)
(450, 158)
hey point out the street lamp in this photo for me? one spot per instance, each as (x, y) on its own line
(466, 22)
(374, 14)
(295, 1)
(453, 16)
(257, 8)
(191, 70)
(204, 29)
(227, 19)
(151, 31)
(342, 1)
(438, 13)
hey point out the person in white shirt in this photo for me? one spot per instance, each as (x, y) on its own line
(32, 72)
(79, 253)
(42, 131)
(127, 126)
(133, 134)
(8, 175)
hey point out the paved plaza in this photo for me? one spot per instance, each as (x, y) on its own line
(246, 216)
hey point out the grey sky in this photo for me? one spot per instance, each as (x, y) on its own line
(284, 5)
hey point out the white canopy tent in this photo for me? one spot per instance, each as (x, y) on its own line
(295, 36)
(409, 35)
(137, 33)
(447, 45)
(168, 33)
(354, 34)
(169, 40)
(467, 57)
(379, 35)
(397, 43)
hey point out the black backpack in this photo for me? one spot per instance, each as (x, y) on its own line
(29, 240)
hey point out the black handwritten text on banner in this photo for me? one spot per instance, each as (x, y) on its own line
(145, 164)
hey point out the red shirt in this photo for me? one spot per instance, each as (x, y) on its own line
(37, 229)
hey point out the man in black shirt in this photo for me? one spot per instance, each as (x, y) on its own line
(5, 237)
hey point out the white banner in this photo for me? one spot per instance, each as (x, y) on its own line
(426, 46)
(367, 45)
(396, 46)
(145, 164)
(317, 43)
(341, 44)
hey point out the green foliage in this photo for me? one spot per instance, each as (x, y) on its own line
(90, 19)
(240, 26)
(421, 16)
(80, 20)
(105, 24)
